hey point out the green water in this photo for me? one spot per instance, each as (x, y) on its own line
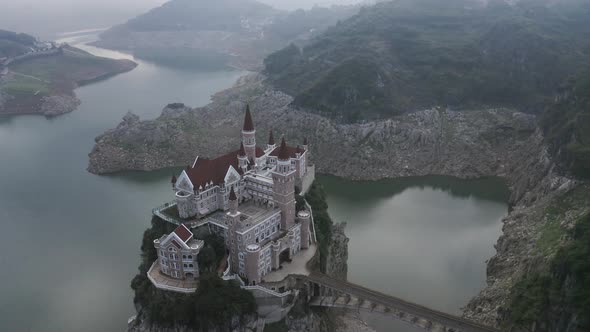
(422, 239)
(70, 239)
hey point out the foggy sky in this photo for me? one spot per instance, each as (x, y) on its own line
(47, 18)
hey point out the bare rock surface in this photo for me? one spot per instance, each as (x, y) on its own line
(469, 144)
(59, 104)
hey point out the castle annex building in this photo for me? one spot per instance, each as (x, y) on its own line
(247, 197)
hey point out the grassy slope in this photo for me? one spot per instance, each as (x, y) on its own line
(55, 74)
(398, 56)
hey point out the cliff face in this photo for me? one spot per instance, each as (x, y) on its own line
(494, 142)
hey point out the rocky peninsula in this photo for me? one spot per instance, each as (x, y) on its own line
(468, 144)
(44, 83)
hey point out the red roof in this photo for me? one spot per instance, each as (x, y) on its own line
(183, 233)
(214, 170)
(289, 150)
(248, 124)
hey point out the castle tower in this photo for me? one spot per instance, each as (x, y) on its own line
(305, 219)
(252, 264)
(232, 219)
(305, 145)
(249, 135)
(242, 158)
(271, 141)
(284, 187)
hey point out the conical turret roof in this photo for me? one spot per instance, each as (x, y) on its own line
(248, 123)
(232, 195)
(283, 151)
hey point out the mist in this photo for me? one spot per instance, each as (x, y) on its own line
(48, 18)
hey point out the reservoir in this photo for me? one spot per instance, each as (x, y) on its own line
(71, 239)
(423, 239)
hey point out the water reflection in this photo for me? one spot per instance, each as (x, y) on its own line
(422, 239)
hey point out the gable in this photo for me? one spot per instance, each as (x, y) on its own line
(231, 176)
(184, 183)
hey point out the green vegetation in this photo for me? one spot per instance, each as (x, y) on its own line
(562, 290)
(399, 56)
(566, 124)
(23, 85)
(13, 44)
(214, 303)
(212, 254)
(279, 326)
(316, 197)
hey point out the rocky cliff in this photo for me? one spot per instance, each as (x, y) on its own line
(478, 143)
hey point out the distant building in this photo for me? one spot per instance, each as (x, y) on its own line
(177, 254)
(248, 197)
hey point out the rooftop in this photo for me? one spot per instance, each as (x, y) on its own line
(252, 215)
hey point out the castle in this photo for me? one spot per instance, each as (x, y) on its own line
(247, 197)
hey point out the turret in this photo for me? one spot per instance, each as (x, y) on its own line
(284, 186)
(304, 219)
(173, 181)
(249, 135)
(242, 158)
(233, 202)
(305, 144)
(271, 141)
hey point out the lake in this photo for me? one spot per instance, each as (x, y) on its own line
(423, 239)
(76, 236)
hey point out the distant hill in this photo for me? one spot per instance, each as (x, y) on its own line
(213, 34)
(226, 15)
(13, 44)
(40, 77)
(408, 54)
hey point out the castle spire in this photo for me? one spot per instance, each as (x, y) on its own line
(242, 152)
(248, 123)
(271, 138)
(283, 151)
(232, 195)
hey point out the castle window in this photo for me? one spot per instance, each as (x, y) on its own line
(185, 265)
(184, 256)
(190, 265)
(190, 256)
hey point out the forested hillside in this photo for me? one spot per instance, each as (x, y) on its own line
(14, 44)
(408, 54)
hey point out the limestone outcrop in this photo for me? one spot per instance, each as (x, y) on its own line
(468, 144)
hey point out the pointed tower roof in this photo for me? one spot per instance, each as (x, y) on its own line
(242, 152)
(305, 141)
(173, 181)
(283, 150)
(248, 124)
(232, 195)
(271, 138)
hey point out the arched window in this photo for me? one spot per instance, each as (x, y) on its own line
(190, 256)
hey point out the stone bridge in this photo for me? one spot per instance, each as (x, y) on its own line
(325, 291)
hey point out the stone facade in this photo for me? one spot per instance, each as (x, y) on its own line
(177, 254)
(248, 197)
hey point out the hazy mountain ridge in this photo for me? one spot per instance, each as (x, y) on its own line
(215, 34)
(405, 55)
(14, 44)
